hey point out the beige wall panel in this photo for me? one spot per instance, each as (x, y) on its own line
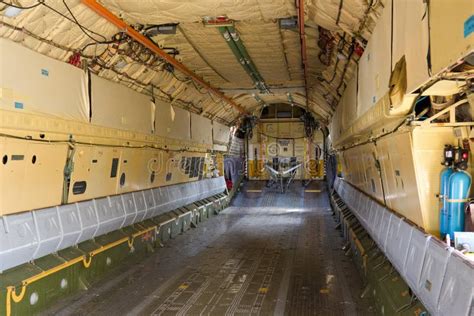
(428, 146)
(220, 133)
(373, 181)
(32, 82)
(401, 191)
(95, 165)
(201, 129)
(284, 130)
(172, 122)
(134, 164)
(297, 130)
(374, 65)
(448, 23)
(410, 39)
(31, 175)
(349, 103)
(116, 106)
(336, 128)
(270, 129)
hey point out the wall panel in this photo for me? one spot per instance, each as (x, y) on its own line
(201, 129)
(411, 39)
(398, 170)
(33, 82)
(451, 31)
(31, 174)
(172, 122)
(116, 106)
(220, 133)
(374, 65)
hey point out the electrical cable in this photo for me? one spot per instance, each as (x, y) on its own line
(74, 142)
(341, 3)
(40, 2)
(83, 29)
(86, 31)
(270, 136)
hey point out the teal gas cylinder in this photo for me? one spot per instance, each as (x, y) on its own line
(443, 193)
(458, 192)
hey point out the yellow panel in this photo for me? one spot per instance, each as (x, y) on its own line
(284, 130)
(447, 27)
(374, 65)
(349, 103)
(94, 166)
(401, 191)
(31, 175)
(137, 166)
(368, 175)
(297, 129)
(410, 39)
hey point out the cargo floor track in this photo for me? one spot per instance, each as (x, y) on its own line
(268, 253)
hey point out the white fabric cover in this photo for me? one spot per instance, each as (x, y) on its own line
(32, 82)
(171, 121)
(201, 129)
(374, 65)
(349, 103)
(410, 38)
(220, 133)
(116, 106)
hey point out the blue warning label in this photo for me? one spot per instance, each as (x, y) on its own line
(469, 26)
(18, 105)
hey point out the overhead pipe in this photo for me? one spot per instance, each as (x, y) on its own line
(304, 60)
(243, 52)
(130, 31)
(232, 38)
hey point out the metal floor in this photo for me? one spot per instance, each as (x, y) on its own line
(269, 253)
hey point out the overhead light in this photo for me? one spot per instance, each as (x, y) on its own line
(341, 56)
(259, 100)
(288, 23)
(217, 21)
(290, 99)
(11, 12)
(168, 28)
(120, 64)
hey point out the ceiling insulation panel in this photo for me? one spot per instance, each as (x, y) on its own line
(276, 52)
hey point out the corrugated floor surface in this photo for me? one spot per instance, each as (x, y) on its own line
(269, 253)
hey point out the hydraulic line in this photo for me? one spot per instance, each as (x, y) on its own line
(238, 49)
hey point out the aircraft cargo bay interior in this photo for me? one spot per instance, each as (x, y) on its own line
(236, 157)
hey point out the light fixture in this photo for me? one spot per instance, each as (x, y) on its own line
(259, 100)
(290, 99)
(341, 56)
(120, 64)
(168, 28)
(288, 23)
(217, 21)
(11, 12)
